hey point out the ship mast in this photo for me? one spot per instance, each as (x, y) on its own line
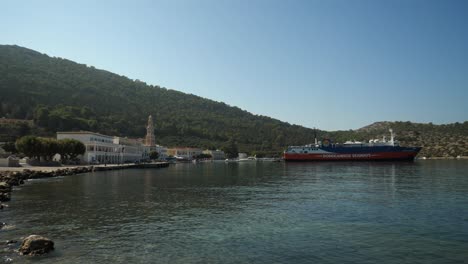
(391, 137)
(315, 136)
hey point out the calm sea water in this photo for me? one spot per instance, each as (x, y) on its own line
(250, 213)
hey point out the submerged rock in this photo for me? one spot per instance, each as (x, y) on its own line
(5, 187)
(4, 197)
(36, 245)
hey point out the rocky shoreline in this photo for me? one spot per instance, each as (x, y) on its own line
(8, 179)
(18, 176)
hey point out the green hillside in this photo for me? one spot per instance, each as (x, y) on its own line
(61, 95)
(449, 140)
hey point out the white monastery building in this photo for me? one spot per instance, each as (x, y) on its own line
(105, 149)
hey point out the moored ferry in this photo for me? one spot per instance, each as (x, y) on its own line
(375, 149)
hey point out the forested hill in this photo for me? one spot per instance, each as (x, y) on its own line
(449, 140)
(59, 95)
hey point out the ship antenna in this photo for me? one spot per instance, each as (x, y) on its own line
(315, 136)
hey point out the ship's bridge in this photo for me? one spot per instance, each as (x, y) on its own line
(304, 149)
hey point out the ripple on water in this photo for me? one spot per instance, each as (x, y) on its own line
(244, 213)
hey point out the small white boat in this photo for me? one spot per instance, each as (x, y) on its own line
(249, 159)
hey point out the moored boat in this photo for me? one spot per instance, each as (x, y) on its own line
(375, 149)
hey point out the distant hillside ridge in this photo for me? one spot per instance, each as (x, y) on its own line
(60, 95)
(375, 126)
(447, 140)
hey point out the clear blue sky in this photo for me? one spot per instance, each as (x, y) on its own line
(330, 64)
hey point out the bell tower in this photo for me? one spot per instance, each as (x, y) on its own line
(149, 139)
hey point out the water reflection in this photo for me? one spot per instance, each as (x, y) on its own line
(251, 212)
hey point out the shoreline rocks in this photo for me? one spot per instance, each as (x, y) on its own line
(38, 245)
(34, 245)
(8, 179)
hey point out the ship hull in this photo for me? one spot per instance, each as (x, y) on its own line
(361, 154)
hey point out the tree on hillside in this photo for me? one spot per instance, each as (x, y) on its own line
(230, 149)
(10, 147)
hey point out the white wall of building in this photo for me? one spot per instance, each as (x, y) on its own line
(105, 149)
(186, 153)
(162, 151)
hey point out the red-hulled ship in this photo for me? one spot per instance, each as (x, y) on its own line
(375, 149)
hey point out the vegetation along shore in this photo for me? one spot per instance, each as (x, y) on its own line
(41, 95)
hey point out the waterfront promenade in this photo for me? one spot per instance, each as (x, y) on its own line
(100, 167)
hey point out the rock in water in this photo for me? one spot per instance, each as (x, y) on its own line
(4, 197)
(5, 187)
(36, 245)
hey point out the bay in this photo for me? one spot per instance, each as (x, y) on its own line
(250, 213)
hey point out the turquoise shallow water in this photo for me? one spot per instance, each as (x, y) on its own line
(250, 213)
